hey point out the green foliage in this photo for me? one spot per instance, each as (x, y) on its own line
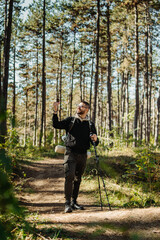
(145, 168)
(131, 178)
(8, 203)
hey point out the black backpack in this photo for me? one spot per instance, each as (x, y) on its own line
(68, 139)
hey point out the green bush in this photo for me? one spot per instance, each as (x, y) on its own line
(8, 203)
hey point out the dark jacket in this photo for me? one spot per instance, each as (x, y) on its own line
(80, 131)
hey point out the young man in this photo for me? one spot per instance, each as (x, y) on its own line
(81, 132)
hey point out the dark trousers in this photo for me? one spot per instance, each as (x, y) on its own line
(74, 166)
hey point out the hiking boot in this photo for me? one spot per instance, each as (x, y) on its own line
(76, 206)
(68, 208)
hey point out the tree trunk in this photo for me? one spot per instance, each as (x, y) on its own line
(127, 107)
(118, 106)
(97, 64)
(122, 106)
(60, 79)
(26, 119)
(146, 112)
(150, 83)
(142, 121)
(136, 116)
(157, 123)
(3, 100)
(14, 91)
(84, 84)
(36, 103)
(0, 68)
(153, 102)
(109, 87)
(43, 117)
(72, 77)
(81, 73)
(91, 84)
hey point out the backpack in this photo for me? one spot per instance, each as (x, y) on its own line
(68, 139)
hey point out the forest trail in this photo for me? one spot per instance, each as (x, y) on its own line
(43, 196)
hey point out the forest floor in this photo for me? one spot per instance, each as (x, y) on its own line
(42, 195)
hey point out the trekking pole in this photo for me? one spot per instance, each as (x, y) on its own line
(100, 175)
(104, 186)
(99, 186)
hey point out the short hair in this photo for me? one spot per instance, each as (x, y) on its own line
(86, 103)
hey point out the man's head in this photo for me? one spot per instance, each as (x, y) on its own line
(83, 108)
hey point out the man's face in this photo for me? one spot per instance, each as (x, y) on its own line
(82, 109)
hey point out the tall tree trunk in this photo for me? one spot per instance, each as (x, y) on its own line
(136, 116)
(118, 105)
(91, 84)
(57, 79)
(97, 64)
(73, 69)
(14, 91)
(122, 106)
(60, 79)
(142, 116)
(109, 87)
(84, 84)
(153, 111)
(150, 83)
(36, 103)
(157, 123)
(55, 137)
(26, 118)
(146, 81)
(3, 100)
(101, 105)
(60, 83)
(81, 72)
(127, 107)
(0, 68)
(43, 118)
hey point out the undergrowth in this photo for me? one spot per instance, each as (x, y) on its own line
(131, 177)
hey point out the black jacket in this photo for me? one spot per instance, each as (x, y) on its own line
(80, 131)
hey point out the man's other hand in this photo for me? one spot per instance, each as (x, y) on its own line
(94, 137)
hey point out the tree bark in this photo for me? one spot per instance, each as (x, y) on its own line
(81, 72)
(136, 116)
(36, 103)
(43, 117)
(127, 107)
(26, 118)
(142, 121)
(157, 123)
(0, 68)
(3, 100)
(109, 87)
(91, 84)
(72, 77)
(97, 64)
(60, 79)
(118, 106)
(146, 81)
(122, 106)
(150, 83)
(14, 91)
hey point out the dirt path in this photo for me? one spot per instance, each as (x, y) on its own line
(43, 195)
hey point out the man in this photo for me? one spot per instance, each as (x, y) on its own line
(80, 132)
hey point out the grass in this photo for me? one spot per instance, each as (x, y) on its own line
(123, 189)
